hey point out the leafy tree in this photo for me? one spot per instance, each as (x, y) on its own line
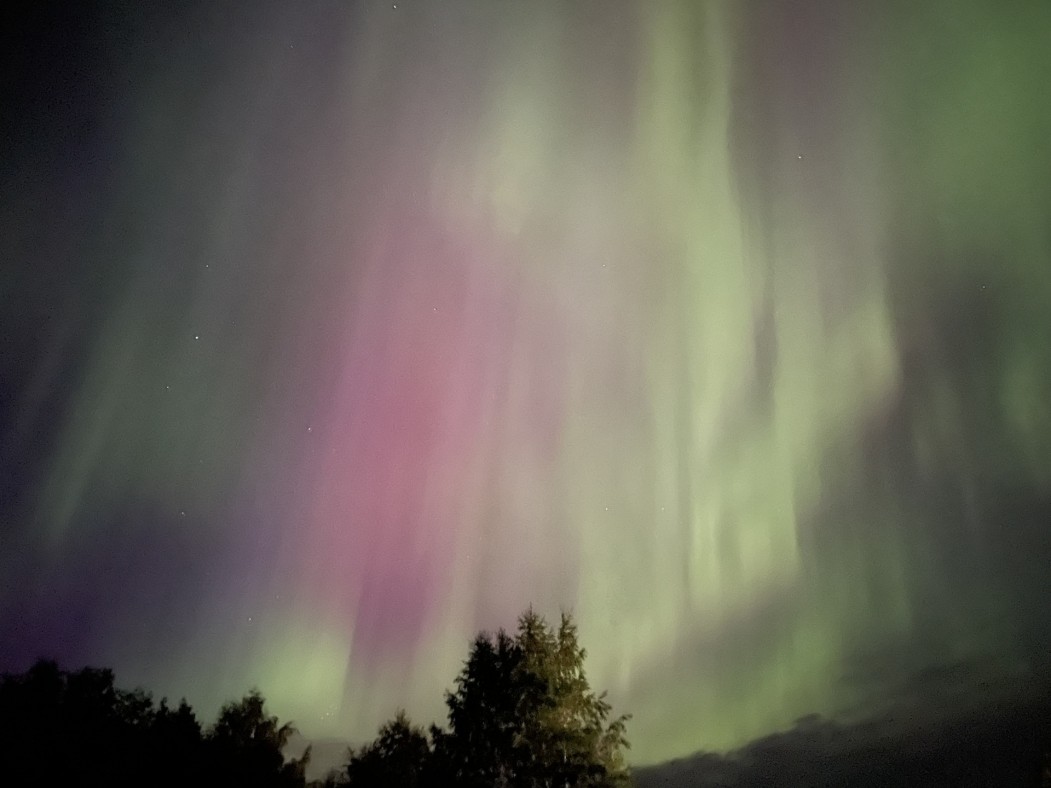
(246, 746)
(399, 756)
(31, 707)
(65, 725)
(176, 746)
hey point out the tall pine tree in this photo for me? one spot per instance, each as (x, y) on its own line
(523, 714)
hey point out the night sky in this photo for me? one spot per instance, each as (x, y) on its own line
(333, 332)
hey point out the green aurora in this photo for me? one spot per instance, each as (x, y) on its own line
(337, 333)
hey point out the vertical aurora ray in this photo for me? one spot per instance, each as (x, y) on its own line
(719, 324)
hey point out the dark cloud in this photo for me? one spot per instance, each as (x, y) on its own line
(948, 727)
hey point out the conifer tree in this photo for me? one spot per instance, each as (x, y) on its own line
(523, 714)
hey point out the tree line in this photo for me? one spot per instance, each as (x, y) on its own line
(521, 715)
(77, 728)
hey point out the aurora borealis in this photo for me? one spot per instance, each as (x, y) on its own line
(334, 332)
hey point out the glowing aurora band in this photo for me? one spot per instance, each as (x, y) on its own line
(600, 306)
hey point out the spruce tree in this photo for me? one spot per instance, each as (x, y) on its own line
(523, 714)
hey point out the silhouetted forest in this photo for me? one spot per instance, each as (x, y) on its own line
(75, 728)
(521, 714)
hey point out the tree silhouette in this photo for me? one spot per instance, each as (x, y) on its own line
(523, 714)
(246, 746)
(59, 728)
(176, 746)
(481, 748)
(399, 756)
(64, 724)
